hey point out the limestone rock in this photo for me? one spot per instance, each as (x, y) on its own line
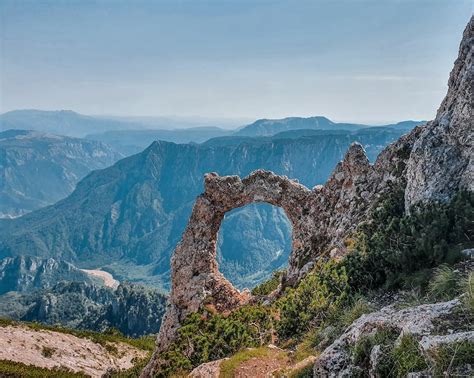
(208, 370)
(430, 344)
(415, 321)
(441, 161)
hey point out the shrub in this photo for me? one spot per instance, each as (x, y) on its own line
(206, 337)
(389, 248)
(317, 297)
(317, 339)
(47, 351)
(356, 308)
(265, 288)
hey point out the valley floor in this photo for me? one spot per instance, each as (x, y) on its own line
(104, 276)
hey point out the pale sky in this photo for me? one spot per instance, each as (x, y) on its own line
(361, 61)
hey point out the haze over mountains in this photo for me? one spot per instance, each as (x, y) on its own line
(128, 218)
(38, 168)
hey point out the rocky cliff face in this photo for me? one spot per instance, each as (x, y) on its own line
(442, 158)
(25, 273)
(320, 220)
(133, 309)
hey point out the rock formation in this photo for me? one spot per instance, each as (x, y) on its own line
(442, 157)
(417, 321)
(320, 218)
(432, 162)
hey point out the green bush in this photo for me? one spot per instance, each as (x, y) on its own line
(47, 351)
(206, 337)
(392, 246)
(265, 288)
(354, 310)
(318, 297)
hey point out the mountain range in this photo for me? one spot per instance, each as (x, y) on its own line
(127, 218)
(268, 127)
(133, 141)
(38, 168)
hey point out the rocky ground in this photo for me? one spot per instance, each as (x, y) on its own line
(50, 349)
(419, 333)
(263, 362)
(437, 337)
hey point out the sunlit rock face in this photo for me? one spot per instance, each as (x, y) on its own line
(442, 158)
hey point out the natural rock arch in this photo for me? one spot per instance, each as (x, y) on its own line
(195, 275)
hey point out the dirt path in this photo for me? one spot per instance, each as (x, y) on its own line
(48, 349)
(261, 367)
(108, 279)
(264, 362)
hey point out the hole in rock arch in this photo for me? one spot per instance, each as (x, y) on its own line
(253, 241)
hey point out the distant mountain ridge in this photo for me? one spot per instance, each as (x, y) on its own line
(131, 135)
(269, 127)
(62, 122)
(38, 169)
(134, 141)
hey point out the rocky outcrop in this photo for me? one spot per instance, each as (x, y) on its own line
(26, 273)
(208, 370)
(441, 161)
(59, 350)
(417, 321)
